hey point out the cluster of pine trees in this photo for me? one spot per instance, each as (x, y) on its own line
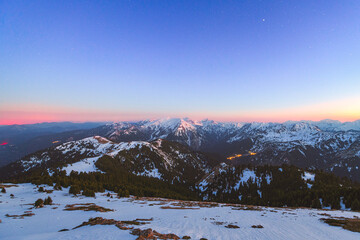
(286, 188)
(118, 180)
(40, 202)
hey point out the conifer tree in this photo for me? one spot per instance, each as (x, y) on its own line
(74, 189)
(355, 206)
(316, 203)
(335, 203)
(48, 201)
(39, 203)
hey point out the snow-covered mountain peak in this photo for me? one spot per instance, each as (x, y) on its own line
(184, 126)
(170, 123)
(205, 134)
(281, 128)
(303, 126)
(331, 125)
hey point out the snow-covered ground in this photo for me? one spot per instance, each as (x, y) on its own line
(86, 165)
(199, 222)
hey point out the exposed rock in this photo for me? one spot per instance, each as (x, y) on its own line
(257, 226)
(26, 214)
(146, 234)
(232, 226)
(86, 207)
(152, 234)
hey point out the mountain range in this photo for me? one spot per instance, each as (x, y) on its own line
(271, 164)
(327, 145)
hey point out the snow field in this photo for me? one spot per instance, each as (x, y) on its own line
(278, 223)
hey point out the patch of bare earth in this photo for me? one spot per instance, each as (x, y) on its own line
(8, 185)
(126, 225)
(218, 223)
(152, 234)
(123, 225)
(86, 207)
(232, 226)
(176, 203)
(324, 214)
(195, 204)
(190, 205)
(351, 224)
(181, 208)
(25, 214)
(248, 208)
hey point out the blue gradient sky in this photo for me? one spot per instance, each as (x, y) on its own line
(226, 60)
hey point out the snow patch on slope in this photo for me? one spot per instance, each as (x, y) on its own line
(245, 176)
(86, 165)
(308, 176)
(151, 173)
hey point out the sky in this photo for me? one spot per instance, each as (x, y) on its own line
(223, 60)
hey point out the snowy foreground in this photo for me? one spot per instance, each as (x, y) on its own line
(196, 221)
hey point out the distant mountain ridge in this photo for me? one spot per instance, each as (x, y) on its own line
(194, 133)
(228, 162)
(19, 140)
(329, 145)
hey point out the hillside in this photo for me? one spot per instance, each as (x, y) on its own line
(108, 217)
(169, 169)
(165, 160)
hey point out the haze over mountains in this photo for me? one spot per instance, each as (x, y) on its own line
(19, 140)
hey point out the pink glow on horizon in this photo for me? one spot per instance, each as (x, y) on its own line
(3, 143)
(30, 118)
(342, 110)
